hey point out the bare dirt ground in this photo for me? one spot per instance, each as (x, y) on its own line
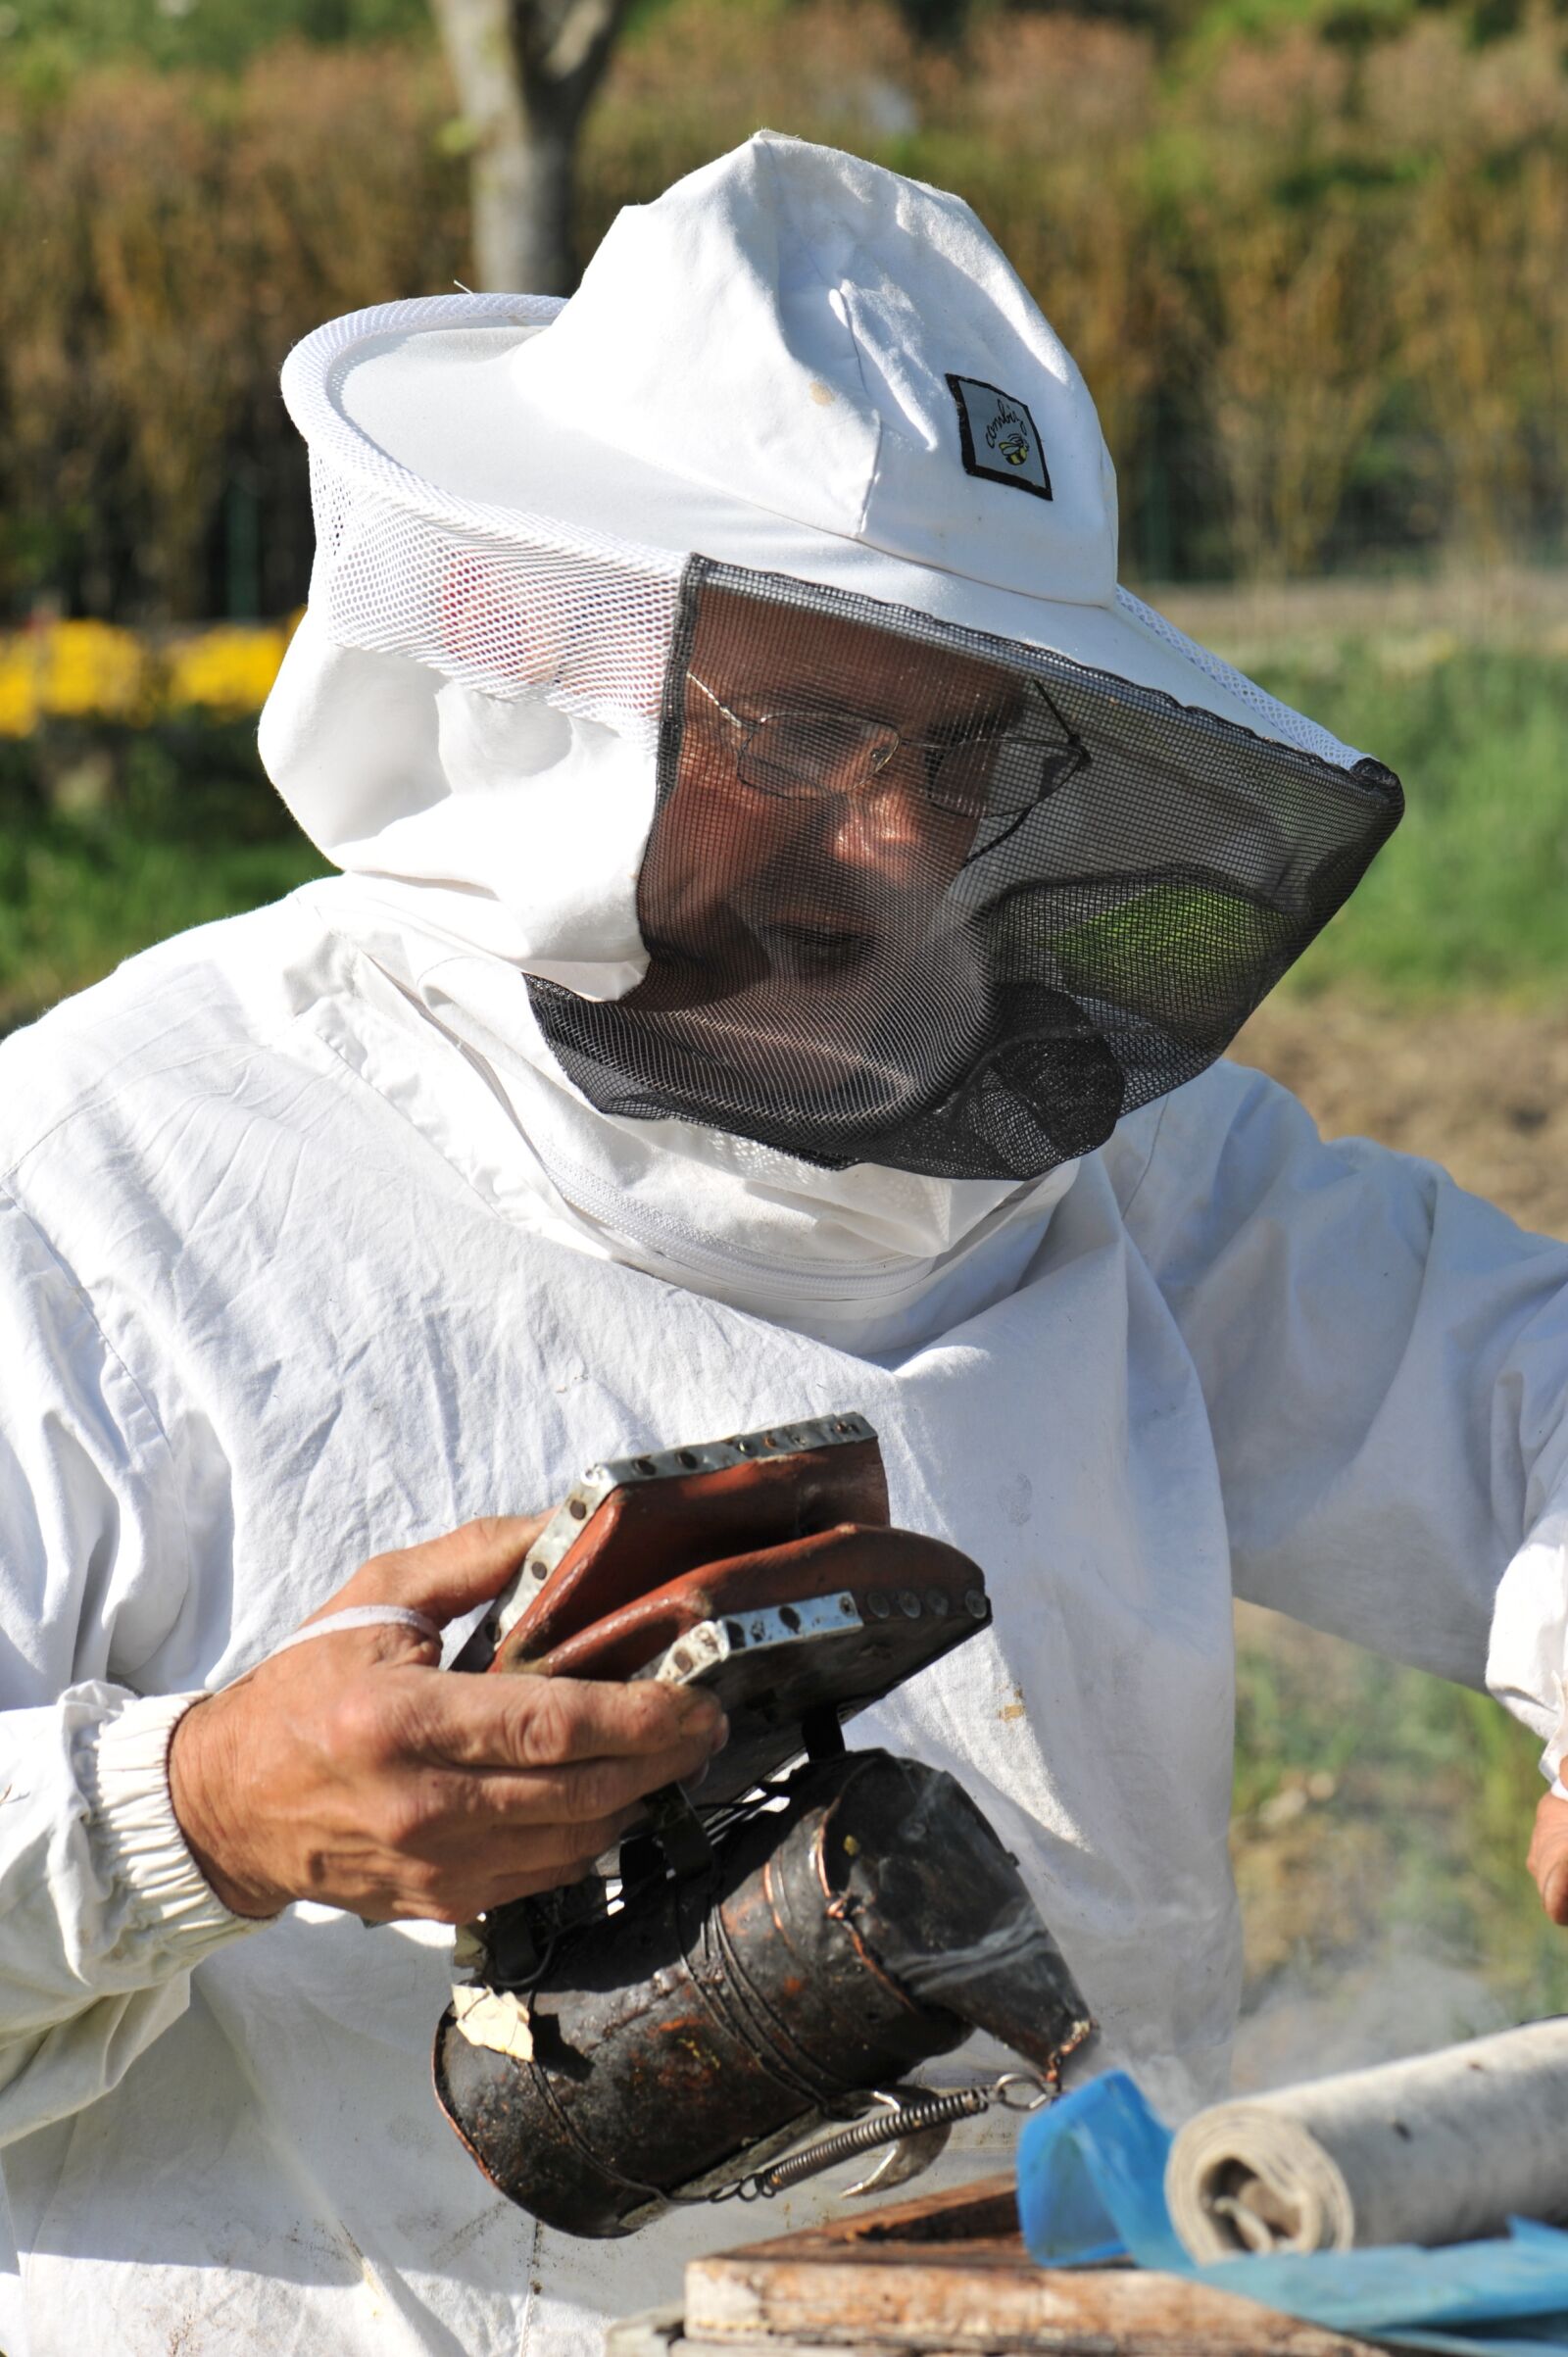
(1483, 1090)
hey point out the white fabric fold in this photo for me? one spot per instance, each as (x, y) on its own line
(1527, 1661)
(136, 1836)
(870, 1259)
(104, 1913)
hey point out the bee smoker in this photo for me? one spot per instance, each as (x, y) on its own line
(780, 1956)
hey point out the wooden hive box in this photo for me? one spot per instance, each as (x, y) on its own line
(949, 2273)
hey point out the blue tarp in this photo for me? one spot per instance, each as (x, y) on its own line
(1091, 2186)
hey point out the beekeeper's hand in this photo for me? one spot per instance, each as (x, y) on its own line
(1548, 1856)
(355, 1771)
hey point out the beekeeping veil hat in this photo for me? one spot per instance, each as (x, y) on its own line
(724, 676)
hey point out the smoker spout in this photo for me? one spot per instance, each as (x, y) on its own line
(934, 1899)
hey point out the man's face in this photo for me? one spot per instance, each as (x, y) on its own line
(796, 889)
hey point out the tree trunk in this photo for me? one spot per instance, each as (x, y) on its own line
(526, 71)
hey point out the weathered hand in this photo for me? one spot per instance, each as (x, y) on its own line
(355, 1771)
(1548, 1856)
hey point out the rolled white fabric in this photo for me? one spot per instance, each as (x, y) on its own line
(1442, 2148)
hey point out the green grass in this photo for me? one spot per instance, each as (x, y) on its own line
(1471, 895)
(113, 839)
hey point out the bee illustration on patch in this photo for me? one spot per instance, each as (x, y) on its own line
(1006, 436)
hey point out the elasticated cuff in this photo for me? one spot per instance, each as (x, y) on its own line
(136, 1838)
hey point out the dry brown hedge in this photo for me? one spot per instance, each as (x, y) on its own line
(1321, 294)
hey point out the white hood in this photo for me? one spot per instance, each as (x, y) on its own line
(504, 839)
(759, 367)
(509, 843)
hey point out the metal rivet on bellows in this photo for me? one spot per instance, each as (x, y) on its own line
(681, 1658)
(578, 1509)
(847, 1607)
(974, 1604)
(879, 1605)
(538, 1570)
(937, 1603)
(909, 1603)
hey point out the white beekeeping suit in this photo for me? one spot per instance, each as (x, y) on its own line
(399, 1202)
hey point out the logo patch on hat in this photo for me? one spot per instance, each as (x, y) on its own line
(998, 437)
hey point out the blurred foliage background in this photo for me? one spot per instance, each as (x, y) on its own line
(1312, 255)
(1309, 257)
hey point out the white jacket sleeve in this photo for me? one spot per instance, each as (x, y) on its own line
(1385, 1360)
(102, 1909)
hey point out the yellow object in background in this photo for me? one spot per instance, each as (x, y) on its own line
(95, 672)
(70, 671)
(227, 673)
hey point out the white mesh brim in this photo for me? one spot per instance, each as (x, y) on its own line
(523, 556)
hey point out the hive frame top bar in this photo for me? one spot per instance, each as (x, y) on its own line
(572, 1516)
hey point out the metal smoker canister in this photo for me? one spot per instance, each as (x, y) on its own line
(719, 2014)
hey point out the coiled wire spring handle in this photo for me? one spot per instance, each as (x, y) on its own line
(902, 2116)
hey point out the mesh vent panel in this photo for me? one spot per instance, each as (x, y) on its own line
(510, 618)
(509, 602)
(917, 897)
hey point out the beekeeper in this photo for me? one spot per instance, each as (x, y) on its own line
(791, 905)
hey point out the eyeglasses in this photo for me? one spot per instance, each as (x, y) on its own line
(795, 755)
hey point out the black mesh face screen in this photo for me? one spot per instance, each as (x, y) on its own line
(926, 899)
